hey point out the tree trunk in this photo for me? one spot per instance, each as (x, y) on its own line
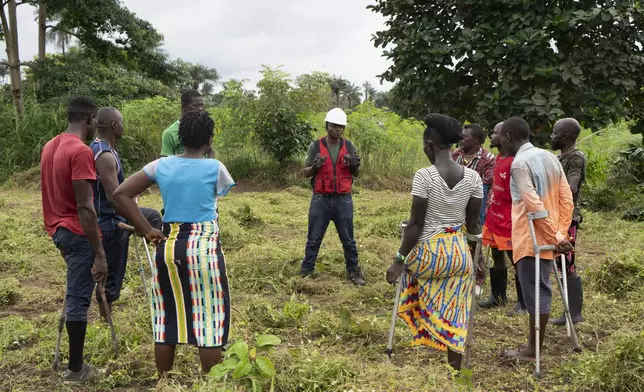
(42, 31)
(63, 47)
(10, 29)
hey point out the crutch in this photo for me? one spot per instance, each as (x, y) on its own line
(532, 216)
(108, 316)
(394, 311)
(563, 290)
(145, 246)
(61, 326)
(470, 321)
(123, 226)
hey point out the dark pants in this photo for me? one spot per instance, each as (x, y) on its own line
(115, 245)
(525, 268)
(153, 217)
(79, 257)
(339, 210)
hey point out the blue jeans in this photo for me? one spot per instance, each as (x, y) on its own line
(79, 257)
(339, 210)
(115, 245)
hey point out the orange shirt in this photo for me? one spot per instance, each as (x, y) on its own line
(539, 183)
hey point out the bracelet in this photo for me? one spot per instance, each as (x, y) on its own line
(401, 257)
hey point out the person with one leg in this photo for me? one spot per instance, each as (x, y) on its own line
(437, 286)
(563, 138)
(332, 162)
(190, 295)
(109, 175)
(67, 174)
(497, 231)
(538, 183)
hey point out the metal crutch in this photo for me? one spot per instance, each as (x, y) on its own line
(394, 312)
(564, 295)
(532, 216)
(131, 229)
(470, 321)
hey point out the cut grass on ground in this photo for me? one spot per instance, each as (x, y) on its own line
(333, 334)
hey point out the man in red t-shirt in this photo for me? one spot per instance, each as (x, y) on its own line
(67, 174)
(497, 231)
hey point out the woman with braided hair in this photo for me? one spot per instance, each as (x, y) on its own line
(190, 299)
(437, 285)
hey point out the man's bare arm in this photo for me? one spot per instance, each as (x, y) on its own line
(108, 173)
(87, 215)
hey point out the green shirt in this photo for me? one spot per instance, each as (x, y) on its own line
(334, 150)
(170, 144)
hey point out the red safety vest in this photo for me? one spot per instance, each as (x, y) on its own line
(330, 179)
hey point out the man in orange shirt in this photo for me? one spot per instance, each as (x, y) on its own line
(537, 183)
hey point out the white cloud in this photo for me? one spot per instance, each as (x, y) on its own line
(237, 36)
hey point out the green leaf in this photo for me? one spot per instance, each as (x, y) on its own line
(243, 368)
(256, 386)
(230, 363)
(268, 340)
(240, 349)
(265, 366)
(218, 372)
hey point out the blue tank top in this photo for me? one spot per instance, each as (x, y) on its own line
(107, 216)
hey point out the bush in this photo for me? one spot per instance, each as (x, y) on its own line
(620, 274)
(617, 368)
(9, 291)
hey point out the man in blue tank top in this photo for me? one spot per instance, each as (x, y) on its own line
(109, 174)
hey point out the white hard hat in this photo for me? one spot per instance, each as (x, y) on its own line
(336, 116)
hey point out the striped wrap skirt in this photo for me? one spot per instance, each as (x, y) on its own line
(437, 291)
(190, 298)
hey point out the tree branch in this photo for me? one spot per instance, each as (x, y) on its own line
(56, 28)
(21, 64)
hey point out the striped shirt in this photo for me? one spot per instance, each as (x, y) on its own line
(446, 207)
(538, 183)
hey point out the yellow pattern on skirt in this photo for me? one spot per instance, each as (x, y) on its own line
(436, 300)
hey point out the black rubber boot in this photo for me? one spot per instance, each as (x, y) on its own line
(499, 283)
(575, 302)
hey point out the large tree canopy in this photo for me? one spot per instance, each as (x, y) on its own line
(487, 60)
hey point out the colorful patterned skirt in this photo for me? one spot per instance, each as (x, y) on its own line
(437, 294)
(190, 299)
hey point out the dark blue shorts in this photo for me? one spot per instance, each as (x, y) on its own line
(79, 257)
(115, 245)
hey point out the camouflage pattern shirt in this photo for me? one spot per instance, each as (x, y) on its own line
(574, 163)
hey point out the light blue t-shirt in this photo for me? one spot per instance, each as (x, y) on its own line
(189, 187)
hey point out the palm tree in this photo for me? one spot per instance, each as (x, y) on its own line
(369, 91)
(199, 74)
(338, 85)
(352, 94)
(207, 89)
(62, 39)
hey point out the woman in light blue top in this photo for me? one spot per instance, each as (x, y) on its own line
(190, 299)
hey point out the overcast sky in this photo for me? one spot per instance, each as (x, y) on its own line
(237, 36)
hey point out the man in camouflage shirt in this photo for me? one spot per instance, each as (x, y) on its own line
(564, 136)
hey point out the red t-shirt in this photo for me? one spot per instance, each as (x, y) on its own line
(499, 215)
(64, 159)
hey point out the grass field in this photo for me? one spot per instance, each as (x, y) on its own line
(333, 334)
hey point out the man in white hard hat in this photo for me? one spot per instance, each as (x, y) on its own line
(331, 163)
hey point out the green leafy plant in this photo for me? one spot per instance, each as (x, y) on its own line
(490, 60)
(9, 291)
(249, 367)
